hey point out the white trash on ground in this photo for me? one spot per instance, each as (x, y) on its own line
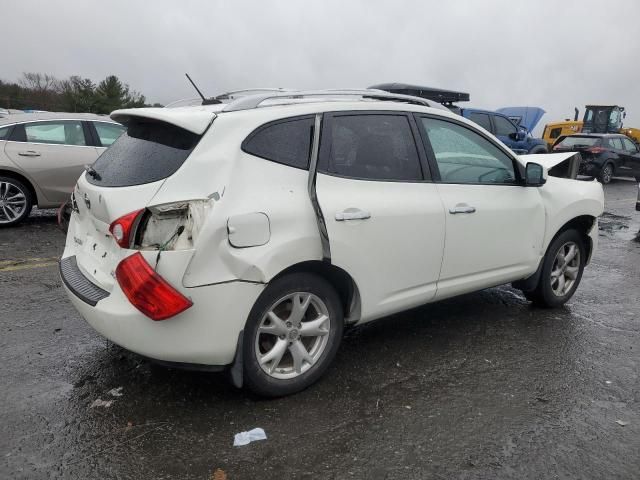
(244, 438)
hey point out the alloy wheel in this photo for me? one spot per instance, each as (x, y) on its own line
(607, 174)
(13, 202)
(565, 269)
(292, 335)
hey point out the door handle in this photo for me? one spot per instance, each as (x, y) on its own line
(462, 208)
(29, 153)
(352, 214)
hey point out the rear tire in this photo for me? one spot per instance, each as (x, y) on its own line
(15, 201)
(606, 174)
(561, 270)
(292, 335)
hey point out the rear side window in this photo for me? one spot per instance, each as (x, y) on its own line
(285, 141)
(108, 132)
(481, 119)
(616, 143)
(59, 132)
(147, 152)
(374, 147)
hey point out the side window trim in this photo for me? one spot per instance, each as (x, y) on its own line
(517, 167)
(257, 130)
(325, 144)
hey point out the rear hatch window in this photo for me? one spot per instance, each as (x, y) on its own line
(575, 142)
(147, 152)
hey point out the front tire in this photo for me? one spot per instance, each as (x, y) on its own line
(606, 174)
(538, 149)
(561, 270)
(15, 202)
(292, 335)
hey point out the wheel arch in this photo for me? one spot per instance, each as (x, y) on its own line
(24, 180)
(344, 284)
(583, 224)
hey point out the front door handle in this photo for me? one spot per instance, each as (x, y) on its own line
(352, 214)
(29, 153)
(462, 208)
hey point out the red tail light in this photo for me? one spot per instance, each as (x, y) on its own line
(596, 150)
(148, 291)
(123, 228)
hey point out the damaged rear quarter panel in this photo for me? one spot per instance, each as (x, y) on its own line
(293, 231)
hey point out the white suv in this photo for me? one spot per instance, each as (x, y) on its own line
(247, 235)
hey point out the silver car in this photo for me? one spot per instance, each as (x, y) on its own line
(43, 154)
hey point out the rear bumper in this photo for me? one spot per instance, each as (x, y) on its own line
(205, 334)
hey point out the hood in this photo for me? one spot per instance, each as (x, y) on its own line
(547, 160)
(528, 117)
(192, 119)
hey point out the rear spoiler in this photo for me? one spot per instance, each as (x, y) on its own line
(194, 121)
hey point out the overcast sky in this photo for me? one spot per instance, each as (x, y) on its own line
(546, 53)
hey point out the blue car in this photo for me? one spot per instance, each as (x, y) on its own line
(512, 125)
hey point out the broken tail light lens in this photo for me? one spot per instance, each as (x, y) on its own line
(123, 229)
(148, 291)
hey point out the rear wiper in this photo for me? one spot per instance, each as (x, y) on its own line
(92, 172)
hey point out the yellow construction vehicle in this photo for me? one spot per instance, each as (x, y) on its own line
(597, 119)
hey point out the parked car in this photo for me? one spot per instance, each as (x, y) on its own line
(516, 135)
(603, 155)
(43, 154)
(247, 235)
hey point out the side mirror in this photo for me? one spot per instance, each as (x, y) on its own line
(517, 136)
(535, 175)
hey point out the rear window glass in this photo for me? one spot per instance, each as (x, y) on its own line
(147, 152)
(287, 142)
(575, 142)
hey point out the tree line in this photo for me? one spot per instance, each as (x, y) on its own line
(41, 91)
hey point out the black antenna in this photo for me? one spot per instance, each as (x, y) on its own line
(205, 101)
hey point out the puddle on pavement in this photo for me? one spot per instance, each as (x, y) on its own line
(618, 226)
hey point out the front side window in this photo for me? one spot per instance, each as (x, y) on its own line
(503, 126)
(464, 156)
(481, 119)
(372, 147)
(629, 146)
(4, 132)
(287, 142)
(64, 132)
(108, 132)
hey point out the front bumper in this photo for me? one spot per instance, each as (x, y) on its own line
(205, 334)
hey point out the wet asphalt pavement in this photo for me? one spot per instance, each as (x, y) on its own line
(481, 386)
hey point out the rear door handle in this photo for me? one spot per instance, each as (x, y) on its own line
(462, 208)
(352, 214)
(29, 153)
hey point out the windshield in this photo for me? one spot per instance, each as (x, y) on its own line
(575, 141)
(147, 152)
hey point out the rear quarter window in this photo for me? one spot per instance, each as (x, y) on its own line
(147, 152)
(283, 141)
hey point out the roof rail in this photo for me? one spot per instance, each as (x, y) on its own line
(246, 91)
(254, 101)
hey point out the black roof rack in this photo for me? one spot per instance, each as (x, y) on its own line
(435, 94)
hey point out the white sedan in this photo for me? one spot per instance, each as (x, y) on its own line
(246, 235)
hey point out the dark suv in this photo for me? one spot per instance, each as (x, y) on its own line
(603, 155)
